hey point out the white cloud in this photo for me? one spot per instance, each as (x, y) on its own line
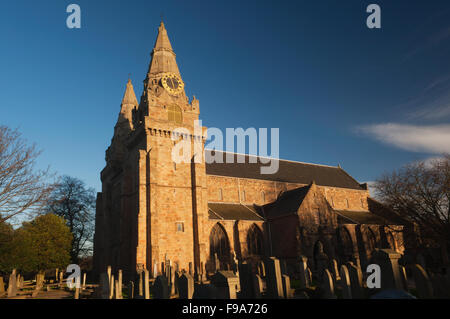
(433, 139)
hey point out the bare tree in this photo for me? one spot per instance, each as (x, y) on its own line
(420, 194)
(23, 189)
(73, 201)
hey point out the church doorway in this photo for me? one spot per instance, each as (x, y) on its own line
(219, 246)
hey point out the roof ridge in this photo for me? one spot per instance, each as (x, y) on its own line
(284, 160)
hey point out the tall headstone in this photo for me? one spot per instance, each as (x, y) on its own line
(147, 284)
(424, 287)
(84, 281)
(104, 286)
(186, 286)
(61, 279)
(226, 283)
(273, 278)
(356, 281)
(327, 285)
(108, 271)
(335, 269)
(131, 290)
(345, 283)
(245, 278)
(387, 259)
(119, 284)
(261, 269)
(140, 287)
(111, 286)
(258, 286)
(303, 273)
(2, 287)
(287, 290)
(161, 287)
(117, 290)
(12, 284)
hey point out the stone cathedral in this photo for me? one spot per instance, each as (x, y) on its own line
(152, 209)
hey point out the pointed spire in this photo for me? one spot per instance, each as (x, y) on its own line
(163, 57)
(162, 41)
(129, 97)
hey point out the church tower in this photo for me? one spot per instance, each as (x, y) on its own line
(151, 208)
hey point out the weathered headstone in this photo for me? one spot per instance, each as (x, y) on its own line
(61, 279)
(345, 283)
(186, 286)
(161, 288)
(327, 285)
(322, 261)
(423, 284)
(117, 290)
(273, 278)
(261, 269)
(147, 284)
(111, 286)
(131, 290)
(12, 284)
(258, 286)
(226, 283)
(119, 284)
(303, 275)
(356, 281)
(2, 287)
(84, 281)
(104, 287)
(245, 278)
(287, 290)
(108, 270)
(335, 269)
(387, 259)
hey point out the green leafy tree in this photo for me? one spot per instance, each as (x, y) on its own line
(41, 244)
(6, 247)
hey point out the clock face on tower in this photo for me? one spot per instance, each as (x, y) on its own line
(172, 83)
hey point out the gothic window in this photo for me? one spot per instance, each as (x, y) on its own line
(348, 204)
(371, 240)
(175, 114)
(219, 244)
(220, 194)
(255, 241)
(345, 244)
(263, 197)
(243, 196)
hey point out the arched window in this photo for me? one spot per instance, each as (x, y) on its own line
(219, 244)
(345, 244)
(371, 240)
(255, 241)
(263, 196)
(220, 194)
(243, 196)
(175, 114)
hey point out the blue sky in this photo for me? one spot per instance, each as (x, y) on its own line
(369, 100)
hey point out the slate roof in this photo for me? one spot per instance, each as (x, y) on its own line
(229, 211)
(359, 217)
(289, 171)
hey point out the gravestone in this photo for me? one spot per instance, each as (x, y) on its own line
(404, 277)
(140, 287)
(161, 288)
(108, 270)
(273, 278)
(387, 259)
(226, 283)
(258, 286)
(2, 287)
(119, 284)
(216, 263)
(77, 293)
(84, 281)
(303, 272)
(424, 287)
(147, 284)
(12, 284)
(155, 269)
(61, 279)
(245, 278)
(345, 283)
(287, 290)
(118, 290)
(186, 286)
(111, 286)
(322, 260)
(335, 269)
(104, 286)
(131, 290)
(309, 276)
(327, 285)
(205, 291)
(261, 269)
(356, 281)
